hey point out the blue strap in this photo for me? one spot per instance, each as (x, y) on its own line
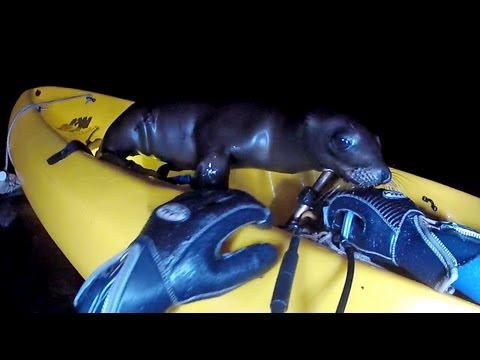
(347, 225)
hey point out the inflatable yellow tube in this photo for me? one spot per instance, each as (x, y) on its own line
(93, 210)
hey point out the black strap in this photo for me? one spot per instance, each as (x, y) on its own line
(70, 148)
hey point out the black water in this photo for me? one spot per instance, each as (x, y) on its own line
(424, 116)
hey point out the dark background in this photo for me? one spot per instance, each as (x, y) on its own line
(417, 91)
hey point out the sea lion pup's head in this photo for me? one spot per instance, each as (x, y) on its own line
(341, 143)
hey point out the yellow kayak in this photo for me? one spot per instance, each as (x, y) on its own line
(93, 210)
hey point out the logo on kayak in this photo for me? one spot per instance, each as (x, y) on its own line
(393, 195)
(78, 124)
(173, 212)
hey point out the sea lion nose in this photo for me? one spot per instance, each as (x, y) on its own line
(386, 176)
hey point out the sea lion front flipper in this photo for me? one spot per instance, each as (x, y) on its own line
(163, 171)
(213, 171)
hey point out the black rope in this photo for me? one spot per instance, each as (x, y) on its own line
(348, 281)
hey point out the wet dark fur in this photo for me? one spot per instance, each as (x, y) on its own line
(211, 141)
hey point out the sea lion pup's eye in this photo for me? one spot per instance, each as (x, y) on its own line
(342, 141)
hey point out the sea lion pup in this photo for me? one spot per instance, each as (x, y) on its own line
(197, 136)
